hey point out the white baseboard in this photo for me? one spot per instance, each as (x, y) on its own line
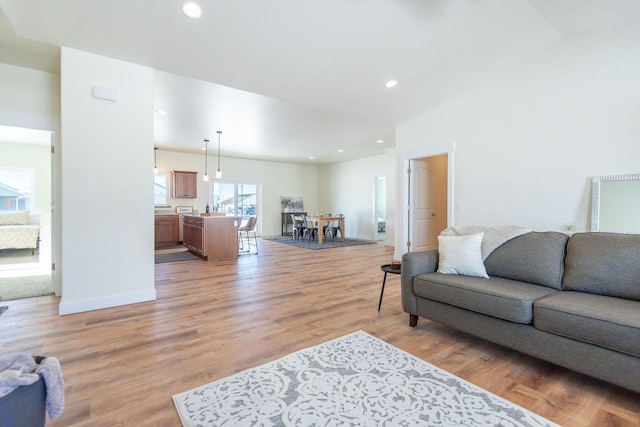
(99, 303)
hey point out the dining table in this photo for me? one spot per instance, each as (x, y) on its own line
(322, 219)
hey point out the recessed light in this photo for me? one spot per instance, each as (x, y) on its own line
(390, 84)
(311, 157)
(192, 10)
(380, 141)
(341, 151)
(161, 112)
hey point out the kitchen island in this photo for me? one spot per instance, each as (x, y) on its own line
(211, 237)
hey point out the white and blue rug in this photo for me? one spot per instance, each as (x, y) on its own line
(356, 380)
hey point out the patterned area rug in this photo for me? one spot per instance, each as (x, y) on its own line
(176, 257)
(314, 245)
(356, 380)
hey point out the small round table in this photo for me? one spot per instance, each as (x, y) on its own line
(387, 269)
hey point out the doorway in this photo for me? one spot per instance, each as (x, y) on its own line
(26, 252)
(381, 207)
(427, 184)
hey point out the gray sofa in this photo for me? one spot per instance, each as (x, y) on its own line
(573, 301)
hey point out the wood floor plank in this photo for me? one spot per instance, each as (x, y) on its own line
(213, 319)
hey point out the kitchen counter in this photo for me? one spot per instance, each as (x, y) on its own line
(211, 237)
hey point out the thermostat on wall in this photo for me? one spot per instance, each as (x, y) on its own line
(108, 93)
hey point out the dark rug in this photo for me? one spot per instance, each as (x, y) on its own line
(314, 245)
(176, 257)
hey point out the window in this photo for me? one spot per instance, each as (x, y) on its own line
(234, 198)
(160, 189)
(16, 189)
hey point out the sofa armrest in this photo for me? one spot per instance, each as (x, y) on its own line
(414, 263)
(34, 218)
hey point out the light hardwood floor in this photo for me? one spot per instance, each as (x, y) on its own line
(212, 319)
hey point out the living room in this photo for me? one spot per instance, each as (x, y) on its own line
(529, 134)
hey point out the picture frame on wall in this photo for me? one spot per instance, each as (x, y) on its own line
(291, 204)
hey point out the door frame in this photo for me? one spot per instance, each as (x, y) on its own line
(376, 199)
(404, 159)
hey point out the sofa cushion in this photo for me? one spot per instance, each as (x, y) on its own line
(497, 297)
(14, 218)
(461, 255)
(605, 321)
(19, 236)
(604, 264)
(536, 257)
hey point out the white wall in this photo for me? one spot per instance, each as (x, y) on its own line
(107, 189)
(391, 160)
(529, 139)
(381, 197)
(349, 188)
(275, 180)
(30, 98)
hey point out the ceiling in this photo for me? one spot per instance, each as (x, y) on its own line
(287, 80)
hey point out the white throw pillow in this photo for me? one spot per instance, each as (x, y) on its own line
(461, 255)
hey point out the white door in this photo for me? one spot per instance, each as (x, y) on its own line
(421, 209)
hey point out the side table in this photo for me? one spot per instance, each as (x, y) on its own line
(387, 269)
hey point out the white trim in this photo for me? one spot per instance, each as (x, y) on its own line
(627, 177)
(595, 203)
(404, 158)
(107, 302)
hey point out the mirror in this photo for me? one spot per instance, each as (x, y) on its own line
(615, 203)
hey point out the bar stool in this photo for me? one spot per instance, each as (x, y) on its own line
(250, 226)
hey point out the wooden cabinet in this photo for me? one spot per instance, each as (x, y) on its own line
(213, 238)
(192, 234)
(184, 184)
(166, 230)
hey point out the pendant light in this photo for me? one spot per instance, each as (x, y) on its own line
(155, 159)
(219, 172)
(206, 152)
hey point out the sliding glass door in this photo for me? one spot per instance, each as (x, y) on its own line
(234, 198)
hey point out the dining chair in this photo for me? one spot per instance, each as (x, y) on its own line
(326, 226)
(310, 227)
(334, 229)
(297, 222)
